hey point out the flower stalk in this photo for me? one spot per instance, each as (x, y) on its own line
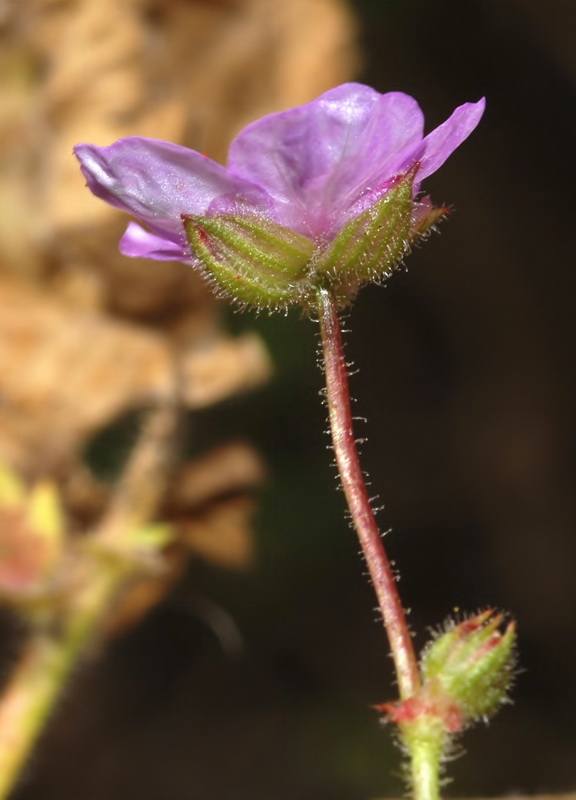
(383, 580)
(425, 751)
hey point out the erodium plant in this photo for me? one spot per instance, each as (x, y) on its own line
(315, 202)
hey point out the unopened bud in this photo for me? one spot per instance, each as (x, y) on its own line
(473, 662)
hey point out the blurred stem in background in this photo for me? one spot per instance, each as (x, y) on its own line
(123, 544)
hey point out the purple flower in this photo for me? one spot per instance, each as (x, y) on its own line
(313, 170)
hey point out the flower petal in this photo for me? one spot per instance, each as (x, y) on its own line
(158, 181)
(441, 142)
(139, 243)
(316, 159)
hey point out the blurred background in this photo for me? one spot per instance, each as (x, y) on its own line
(254, 675)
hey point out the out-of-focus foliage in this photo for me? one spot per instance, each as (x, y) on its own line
(87, 335)
(89, 338)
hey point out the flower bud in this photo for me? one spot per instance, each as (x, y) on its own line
(473, 663)
(466, 673)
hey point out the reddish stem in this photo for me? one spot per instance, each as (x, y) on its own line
(338, 397)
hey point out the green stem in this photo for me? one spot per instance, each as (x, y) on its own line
(426, 748)
(338, 399)
(36, 685)
(56, 646)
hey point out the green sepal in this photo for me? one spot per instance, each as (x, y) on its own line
(251, 259)
(372, 244)
(474, 662)
(426, 223)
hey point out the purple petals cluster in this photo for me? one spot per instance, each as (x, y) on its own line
(313, 170)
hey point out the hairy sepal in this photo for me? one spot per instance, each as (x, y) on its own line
(372, 244)
(251, 259)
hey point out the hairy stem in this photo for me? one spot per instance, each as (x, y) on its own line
(338, 399)
(426, 749)
(55, 648)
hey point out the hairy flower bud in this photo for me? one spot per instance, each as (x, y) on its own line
(466, 673)
(473, 661)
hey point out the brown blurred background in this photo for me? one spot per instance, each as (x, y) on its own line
(257, 682)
